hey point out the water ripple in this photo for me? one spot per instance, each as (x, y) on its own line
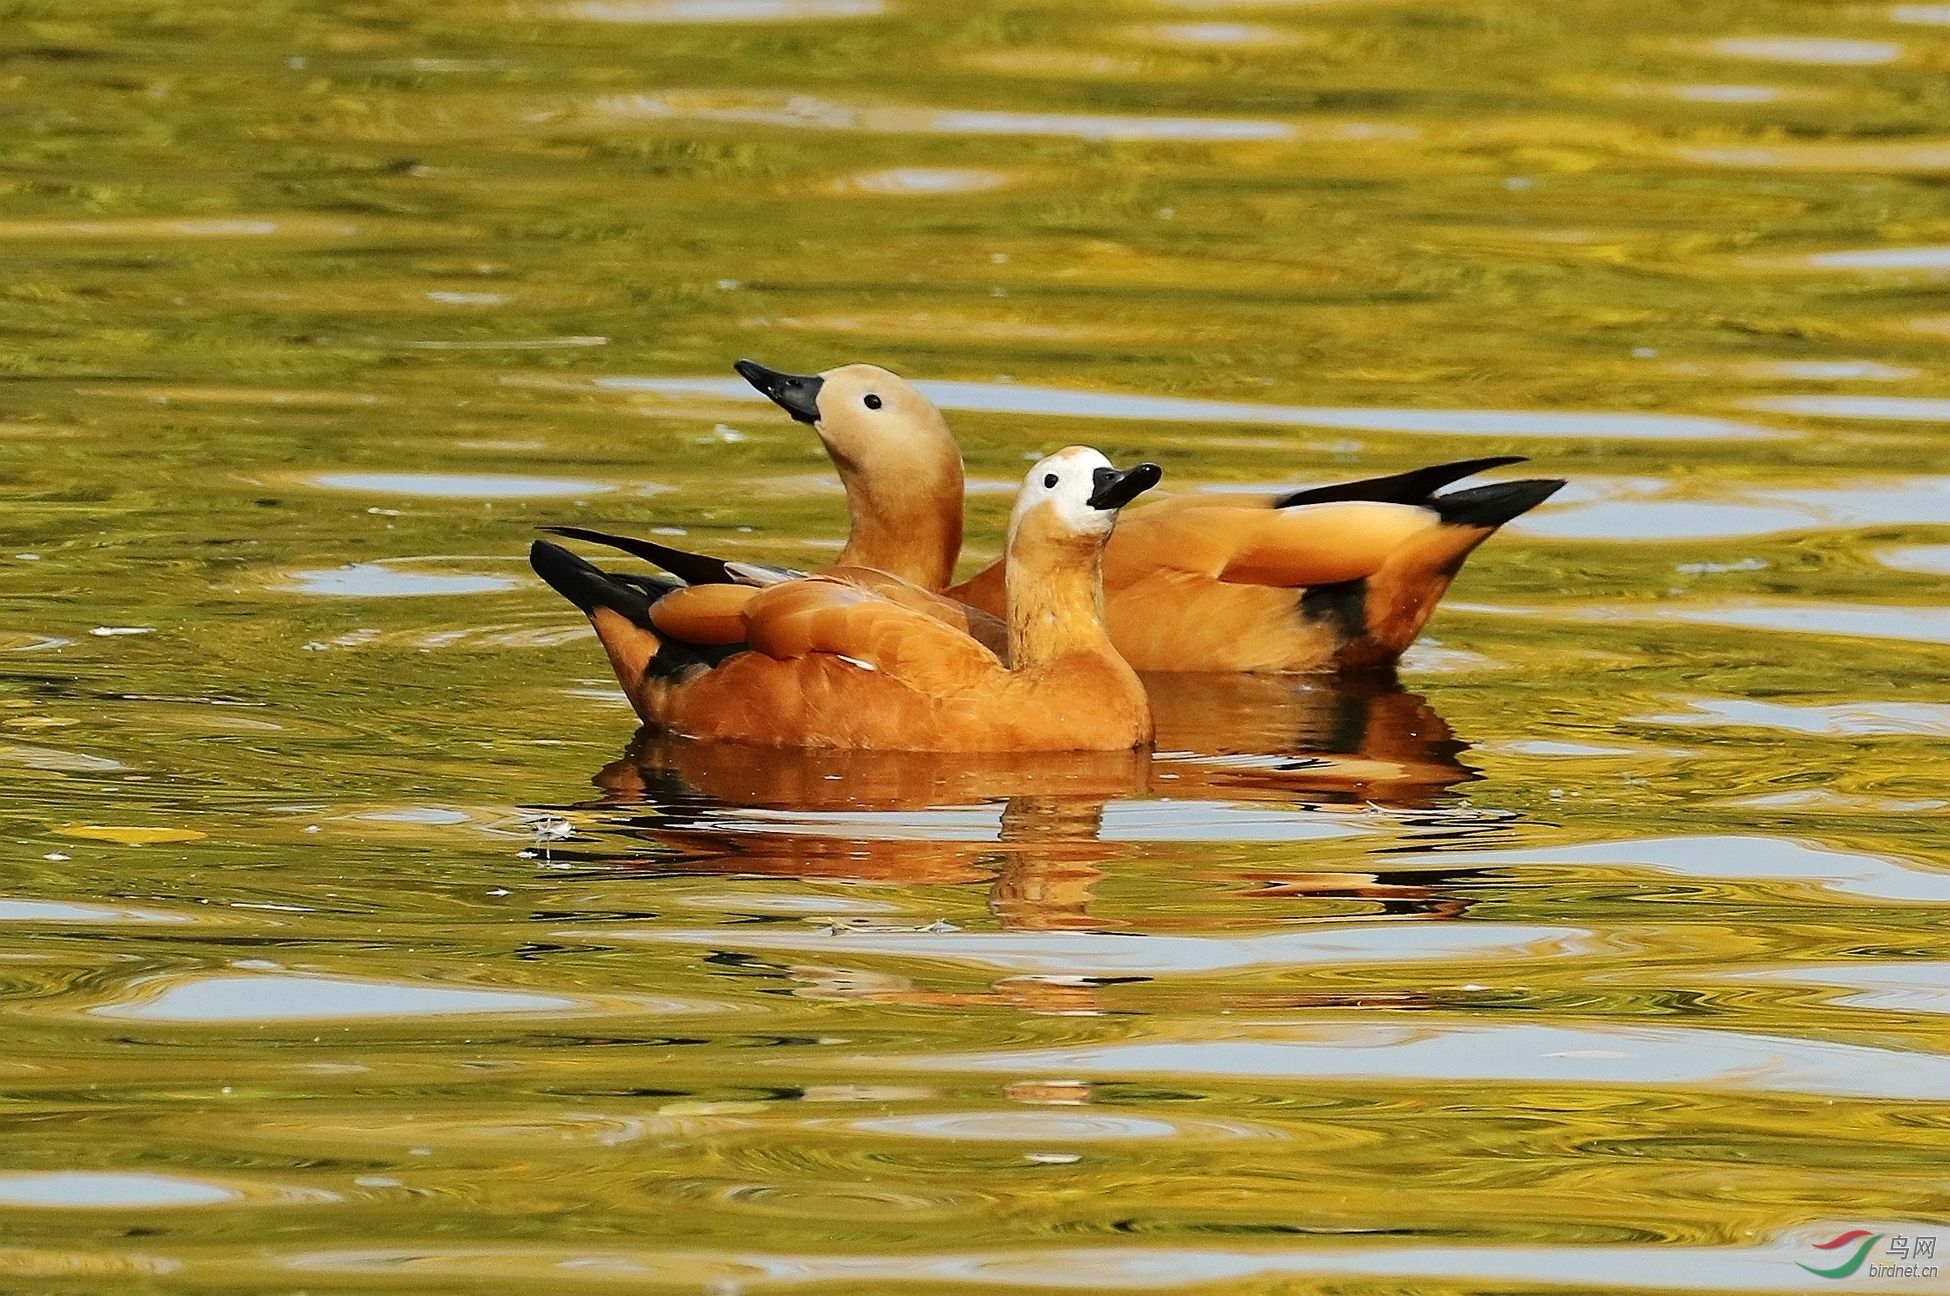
(1213, 35)
(807, 112)
(1753, 858)
(1916, 624)
(378, 580)
(1895, 156)
(293, 997)
(1931, 559)
(1433, 1050)
(1107, 954)
(1012, 398)
(1055, 1127)
(1911, 986)
(1930, 625)
(1842, 719)
(128, 1190)
(1885, 258)
(143, 229)
(1914, 409)
(1823, 50)
(921, 182)
(716, 11)
(61, 911)
(457, 485)
(1131, 820)
(55, 760)
(1767, 1266)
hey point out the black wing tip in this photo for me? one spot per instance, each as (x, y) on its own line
(691, 568)
(1494, 504)
(1484, 464)
(585, 584)
(1469, 467)
(1415, 486)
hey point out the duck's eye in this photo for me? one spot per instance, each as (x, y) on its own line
(872, 401)
(1049, 482)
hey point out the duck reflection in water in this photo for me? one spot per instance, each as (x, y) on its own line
(1040, 831)
(1330, 741)
(1226, 743)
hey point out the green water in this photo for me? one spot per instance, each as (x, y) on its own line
(1606, 952)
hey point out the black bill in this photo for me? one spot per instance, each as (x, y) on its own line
(796, 394)
(1115, 489)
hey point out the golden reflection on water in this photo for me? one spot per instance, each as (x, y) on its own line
(1037, 822)
(349, 939)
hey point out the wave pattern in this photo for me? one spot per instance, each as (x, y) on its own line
(349, 941)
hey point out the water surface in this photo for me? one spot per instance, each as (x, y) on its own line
(351, 941)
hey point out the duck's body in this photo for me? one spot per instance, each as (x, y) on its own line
(713, 613)
(1285, 585)
(1335, 577)
(833, 665)
(829, 662)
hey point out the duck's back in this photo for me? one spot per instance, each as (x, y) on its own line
(1314, 580)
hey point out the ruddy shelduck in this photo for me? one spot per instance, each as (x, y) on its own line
(863, 660)
(1337, 576)
(1334, 577)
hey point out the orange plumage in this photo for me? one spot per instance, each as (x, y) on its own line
(1340, 576)
(830, 662)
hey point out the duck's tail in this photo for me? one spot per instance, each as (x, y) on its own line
(1488, 507)
(1395, 602)
(692, 569)
(618, 606)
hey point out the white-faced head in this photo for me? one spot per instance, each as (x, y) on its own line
(1077, 491)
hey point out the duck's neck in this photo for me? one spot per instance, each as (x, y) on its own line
(906, 519)
(1056, 599)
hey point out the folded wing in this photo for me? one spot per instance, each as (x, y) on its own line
(825, 615)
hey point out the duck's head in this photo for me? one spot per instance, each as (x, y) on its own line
(1076, 493)
(896, 457)
(864, 414)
